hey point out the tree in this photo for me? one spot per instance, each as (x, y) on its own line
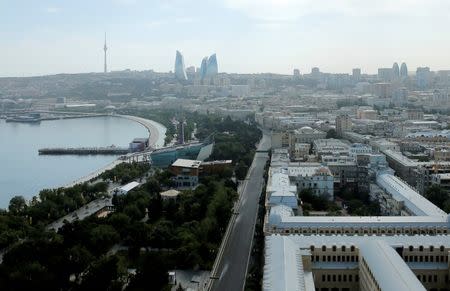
(17, 205)
(437, 195)
(103, 237)
(103, 275)
(331, 133)
(241, 170)
(151, 274)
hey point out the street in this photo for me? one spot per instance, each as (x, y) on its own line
(232, 268)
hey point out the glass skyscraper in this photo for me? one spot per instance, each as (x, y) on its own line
(180, 71)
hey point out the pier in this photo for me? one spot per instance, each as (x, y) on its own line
(112, 150)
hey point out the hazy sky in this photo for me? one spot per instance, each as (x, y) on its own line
(249, 36)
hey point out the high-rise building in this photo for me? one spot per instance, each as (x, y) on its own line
(403, 70)
(296, 73)
(203, 67)
(343, 124)
(395, 71)
(356, 74)
(423, 77)
(212, 68)
(181, 126)
(385, 74)
(180, 71)
(315, 73)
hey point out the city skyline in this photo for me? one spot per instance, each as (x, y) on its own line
(273, 36)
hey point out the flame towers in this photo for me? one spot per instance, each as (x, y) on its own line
(180, 71)
(209, 67)
(212, 69)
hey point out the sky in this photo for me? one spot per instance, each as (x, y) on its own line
(249, 36)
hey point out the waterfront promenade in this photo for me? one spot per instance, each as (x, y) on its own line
(157, 133)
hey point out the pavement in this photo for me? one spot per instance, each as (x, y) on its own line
(81, 213)
(232, 267)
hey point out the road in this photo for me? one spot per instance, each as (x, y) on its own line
(233, 264)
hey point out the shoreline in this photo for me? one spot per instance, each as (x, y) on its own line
(156, 132)
(156, 135)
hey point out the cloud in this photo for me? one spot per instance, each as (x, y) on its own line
(126, 2)
(167, 21)
(52, 10)
(292, 10)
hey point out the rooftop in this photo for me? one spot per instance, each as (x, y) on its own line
(129, 186)
(388, 268)
(183, 163)
(401, 191)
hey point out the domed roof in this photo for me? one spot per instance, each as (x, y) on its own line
(306, 129)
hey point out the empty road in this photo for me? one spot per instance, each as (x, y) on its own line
(232, 268)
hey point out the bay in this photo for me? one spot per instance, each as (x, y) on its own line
(24, 172)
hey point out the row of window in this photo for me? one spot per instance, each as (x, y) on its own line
(340, 278)
(335, 259)
(334, 248)
(367, 270)
(421, 248)
(429, 278)
(437, 259)
(361, 231)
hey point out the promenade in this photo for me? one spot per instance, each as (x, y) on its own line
(157, 134)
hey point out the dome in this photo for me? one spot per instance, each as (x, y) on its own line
(306, 129)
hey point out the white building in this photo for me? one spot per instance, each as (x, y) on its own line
(317, 178)
(330, 147)
(126, 188)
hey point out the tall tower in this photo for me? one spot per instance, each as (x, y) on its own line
(105, 48)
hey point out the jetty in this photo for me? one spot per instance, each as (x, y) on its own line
(111, 150)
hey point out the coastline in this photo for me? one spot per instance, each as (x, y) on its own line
(157, 134)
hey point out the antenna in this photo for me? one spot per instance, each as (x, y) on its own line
(105, 48)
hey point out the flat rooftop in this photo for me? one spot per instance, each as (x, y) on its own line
(183, 163)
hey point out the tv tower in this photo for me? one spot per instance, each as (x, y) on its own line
(105, 48)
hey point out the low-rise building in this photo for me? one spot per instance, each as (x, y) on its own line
(330, 147)
(300, 151)
(185, 173)
(126, 188)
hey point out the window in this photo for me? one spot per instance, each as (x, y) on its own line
(411, 248)
(421, 248)
(343, 248)
(352, 248)
(431, 248)
(324, 248)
